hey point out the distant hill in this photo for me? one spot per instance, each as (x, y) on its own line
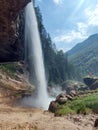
(85, 55)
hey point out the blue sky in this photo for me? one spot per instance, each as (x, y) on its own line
(69, 21)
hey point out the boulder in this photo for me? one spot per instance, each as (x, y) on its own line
(91, 82)
(73, 93)
(94, 85)
(53, 106)
(96, 123)
(61, 95)
(61, 98)
(69, 97)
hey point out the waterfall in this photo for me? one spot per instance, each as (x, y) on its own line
(33, 43)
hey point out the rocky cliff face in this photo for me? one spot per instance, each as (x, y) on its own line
(10, 29)
(13, 82)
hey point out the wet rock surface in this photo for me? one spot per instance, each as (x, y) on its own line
(10, 12)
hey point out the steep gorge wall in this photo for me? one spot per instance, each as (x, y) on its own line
(11, 29)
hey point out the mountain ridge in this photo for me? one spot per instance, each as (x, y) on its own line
(84, 55)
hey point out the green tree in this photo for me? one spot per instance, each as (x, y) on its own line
(56, 62)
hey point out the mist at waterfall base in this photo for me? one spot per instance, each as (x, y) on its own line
(33, 44)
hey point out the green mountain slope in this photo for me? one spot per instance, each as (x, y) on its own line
(85, 55)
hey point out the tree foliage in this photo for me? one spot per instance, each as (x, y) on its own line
(58, 69)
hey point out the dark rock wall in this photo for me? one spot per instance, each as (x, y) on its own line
(11, 29)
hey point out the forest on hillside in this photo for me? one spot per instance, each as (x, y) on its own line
(84, 56)
(57, 66)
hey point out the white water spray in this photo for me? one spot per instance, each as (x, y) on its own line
(33, 43)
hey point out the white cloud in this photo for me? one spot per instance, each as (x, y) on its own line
(58, 1)
(66, 39)
(92, 16)
(82, 27)
(80, 33)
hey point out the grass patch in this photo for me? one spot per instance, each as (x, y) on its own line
(10, 69)
(63, 111)
(83, 105)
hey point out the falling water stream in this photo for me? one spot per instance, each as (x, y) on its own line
(33, 43)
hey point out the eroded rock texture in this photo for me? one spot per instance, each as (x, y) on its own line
(11, 27)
